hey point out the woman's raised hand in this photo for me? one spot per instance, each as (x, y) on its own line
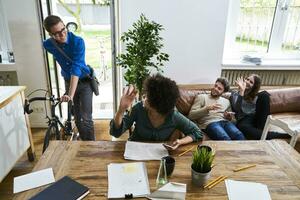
(127, 98)
(241, 83)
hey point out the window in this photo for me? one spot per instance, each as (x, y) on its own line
(5, 41)
(264, 28)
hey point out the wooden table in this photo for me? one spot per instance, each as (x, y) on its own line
(278, 166)
(15, 132)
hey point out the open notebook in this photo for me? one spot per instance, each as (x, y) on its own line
(144, 151)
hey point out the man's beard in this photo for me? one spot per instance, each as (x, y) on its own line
(214, 95)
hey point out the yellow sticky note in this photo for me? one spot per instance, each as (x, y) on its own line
(130, 168)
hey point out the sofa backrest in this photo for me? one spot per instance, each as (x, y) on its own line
(186, 99)
(281, 100)
(284, 100)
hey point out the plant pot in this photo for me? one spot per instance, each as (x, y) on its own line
(198, 178)
(208, 148)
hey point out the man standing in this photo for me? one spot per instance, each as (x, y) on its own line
(211, 111)
(69, 51)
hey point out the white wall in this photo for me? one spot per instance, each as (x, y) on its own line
(193, 36)
(25, 32)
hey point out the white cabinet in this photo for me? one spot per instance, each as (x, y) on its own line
(15, 134)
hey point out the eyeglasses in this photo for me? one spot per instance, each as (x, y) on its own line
(59, 33)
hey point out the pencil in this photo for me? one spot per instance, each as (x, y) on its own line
(217, 182)
(213, 181)
(186, 151)
(243, 168)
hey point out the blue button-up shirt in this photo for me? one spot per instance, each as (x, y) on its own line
(75, 49)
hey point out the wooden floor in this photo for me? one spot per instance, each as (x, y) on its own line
(23, 166)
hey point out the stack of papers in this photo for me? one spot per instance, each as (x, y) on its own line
(127, 179)
(170, 191)
(238, 190)
(144, 151)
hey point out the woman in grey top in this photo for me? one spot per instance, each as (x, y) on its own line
(251, 107)
(155, 118)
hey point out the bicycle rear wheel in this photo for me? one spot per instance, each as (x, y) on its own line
(50, 135)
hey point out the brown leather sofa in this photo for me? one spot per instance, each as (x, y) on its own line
(284, 103)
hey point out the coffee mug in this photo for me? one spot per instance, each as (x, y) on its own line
(170, 164)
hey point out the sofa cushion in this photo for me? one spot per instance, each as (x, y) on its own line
(284, 100)
(186, 99)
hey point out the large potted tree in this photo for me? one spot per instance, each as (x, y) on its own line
(142, 52)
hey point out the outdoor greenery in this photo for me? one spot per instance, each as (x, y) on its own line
(93, 41)
(202, 160)
(259, 45)
(143, 51)
(257, 3)
(77, 12)
(101, 2)
(255, 25)
(92, 47)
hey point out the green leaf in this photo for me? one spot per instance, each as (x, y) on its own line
(202, 160)
(143, 50)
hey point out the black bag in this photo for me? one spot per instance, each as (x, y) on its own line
(94, 81)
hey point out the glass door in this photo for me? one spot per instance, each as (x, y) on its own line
(92, 22)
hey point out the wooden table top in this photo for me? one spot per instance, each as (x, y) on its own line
(8, 93)
(277, 166)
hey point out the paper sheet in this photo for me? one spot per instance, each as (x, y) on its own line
(170, 191)
(127, 178)
(238, 190)
(144, 151)
(33, 180)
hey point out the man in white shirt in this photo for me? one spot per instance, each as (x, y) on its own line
(212, 113)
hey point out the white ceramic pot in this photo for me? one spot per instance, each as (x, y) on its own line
(199, 179)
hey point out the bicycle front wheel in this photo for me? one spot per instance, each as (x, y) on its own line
(50, 134)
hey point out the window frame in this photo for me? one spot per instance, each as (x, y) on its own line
(274, 51)
(5, 38)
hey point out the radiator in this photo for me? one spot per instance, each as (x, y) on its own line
(271, 78)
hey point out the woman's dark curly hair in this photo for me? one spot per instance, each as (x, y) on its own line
(161, 92)
(251, 94)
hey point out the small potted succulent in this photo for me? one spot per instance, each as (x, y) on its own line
(201, 167)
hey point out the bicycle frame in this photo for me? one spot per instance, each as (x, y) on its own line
(53, 120)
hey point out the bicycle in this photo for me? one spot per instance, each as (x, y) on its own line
(53, 121)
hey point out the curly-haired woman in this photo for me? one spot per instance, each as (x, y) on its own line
(155, 117)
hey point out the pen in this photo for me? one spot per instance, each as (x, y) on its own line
(243, 168)
(217, 182)
(186, 151)
(212, 182)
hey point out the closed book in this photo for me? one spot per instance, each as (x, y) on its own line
(63, 189)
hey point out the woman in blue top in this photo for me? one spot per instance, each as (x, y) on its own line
(155, 118)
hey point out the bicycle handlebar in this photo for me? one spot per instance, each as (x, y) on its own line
(28, 101)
